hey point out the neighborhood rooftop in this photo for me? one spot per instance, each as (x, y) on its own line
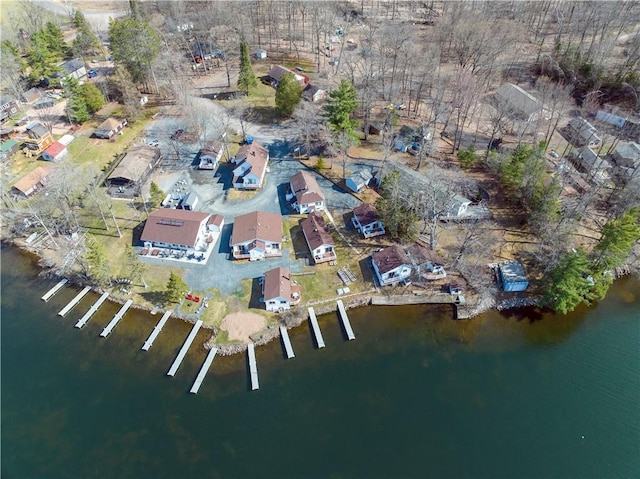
(257, 225)
(390, 258)
(173, 226)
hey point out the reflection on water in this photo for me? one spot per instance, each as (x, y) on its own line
(415, 393)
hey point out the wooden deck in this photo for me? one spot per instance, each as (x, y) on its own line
(345, 321)
(203, 371)
(92, 310)
(74, 301)
(49, 294)
(287, 342)
(156, 331)
(316, 328)
(185, 347)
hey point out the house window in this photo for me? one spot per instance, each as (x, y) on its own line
(283, 302)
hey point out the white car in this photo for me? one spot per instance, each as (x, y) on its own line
(154, 143)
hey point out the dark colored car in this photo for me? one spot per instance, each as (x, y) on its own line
(177, 134)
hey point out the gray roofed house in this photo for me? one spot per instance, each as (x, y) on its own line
(313, 93)
(627, 156)
(359, 180)
(276, 72)
(519, 104)
(134, 169)
(512, 277)
(581, 133)
(74, 68)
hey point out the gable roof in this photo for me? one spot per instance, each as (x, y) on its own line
(109, 125)
(36, 130)
(213, 148)
(167, 225)
(366, 213)
(629, 151)
(30, 180)
(55, 149)
(316, 231)
(137, 160)
(278, 71)
(8, 145)
(361, 177)
(421, 255)
(257, 225)
(256, 155)
(71, 66)
(277, 284)
(306, 188)
(513, 272)
(520, 102)
(390, 258)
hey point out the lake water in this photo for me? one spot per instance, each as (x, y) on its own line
(415, 395)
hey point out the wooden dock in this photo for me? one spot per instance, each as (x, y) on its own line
(253, 368)
(49, 294)
(345, 321)
(92, 310)
(287, 343)
(185, 347)
(316, 328)
(74, 301)
(203, 370)
(156, 331)
(112, 324)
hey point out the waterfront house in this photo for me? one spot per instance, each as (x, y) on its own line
(54, 152)
(365, 220)
(318, 238)
(210, 155)
(307, 193)
(359, 180)
(512, 277)
(128, 177)
(279, 291)
(426, 262)
(256, 236)
(184, 230)
(391, 265)
(251, 160)
(109, 128)
(32, 182)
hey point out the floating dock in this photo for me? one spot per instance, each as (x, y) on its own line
(184, 349)
(203, 370)
(253, 368)
(287, 343)
(345, 321)
(156, 331)
(316, 328)
(112, 324)
(54, 290)
(92, 310)
(74, 301)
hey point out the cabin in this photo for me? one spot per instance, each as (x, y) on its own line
(210, 155)
(517, 103)
(32, 182)
(39, 137)
(580, 133)
(31, 96)
(512, 277)
(55, 152)
(318, 238)
(256, 236)
(276, 72)
(74, 68)
(260, 54)
(132, 172)
(427, 263)
(313, 93)
(189, 202)
(365, 220)
(279, 291)
(626, 156)
(251, 160)
(306, 192)
(391, 265)
(109, 128)
(8, 108)
(8, 148)
(359, 180)
(177, 229)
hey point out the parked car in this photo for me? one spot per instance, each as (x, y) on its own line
(92, 73)
(153, 142)
(177, 134)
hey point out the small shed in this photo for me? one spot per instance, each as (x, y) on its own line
(512, 276)
(54, 152)
(359, 180)
(189, 202)
(31, 96)
(8, 148)
(260, 54)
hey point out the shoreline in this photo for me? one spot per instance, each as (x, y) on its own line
(294, 318)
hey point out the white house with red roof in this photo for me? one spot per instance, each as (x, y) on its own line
(307, 193)
(279, 291)
(55, 152)
(256, 236)
(179, 229)
(391, 265)
(252, 160)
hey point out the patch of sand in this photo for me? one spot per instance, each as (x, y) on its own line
(241, 325)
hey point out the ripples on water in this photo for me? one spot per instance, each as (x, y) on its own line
(415, 395)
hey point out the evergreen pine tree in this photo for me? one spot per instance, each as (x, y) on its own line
(288, 94)
(176, 288)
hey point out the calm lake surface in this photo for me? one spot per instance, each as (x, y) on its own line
(415, 395)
